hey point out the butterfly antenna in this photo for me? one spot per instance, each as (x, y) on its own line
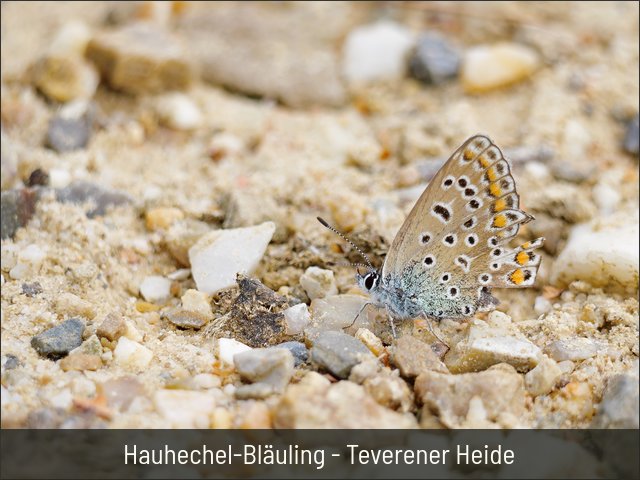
(344, 237)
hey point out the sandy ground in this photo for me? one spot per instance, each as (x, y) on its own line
(360, 164)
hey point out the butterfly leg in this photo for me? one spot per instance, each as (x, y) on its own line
(430, 327)
(365, 305)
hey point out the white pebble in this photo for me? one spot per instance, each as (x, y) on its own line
(20, 271)
(155, 288)
(537, 170)
(180, 274)
(185, 408)
(542, 305)
(59, 178)
(606, 197)
(219, 256)
(376, 52)
(33, 255)
(228, 347)
(602, 253)
(318, 282)
(195, 301)
(132, 355)
(486, 67)
(178, 111)
(297, 318)
(62, 400)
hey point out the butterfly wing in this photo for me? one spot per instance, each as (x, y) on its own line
(450, 248)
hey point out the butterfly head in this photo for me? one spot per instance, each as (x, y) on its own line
(369, 281)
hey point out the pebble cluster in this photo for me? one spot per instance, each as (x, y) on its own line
(162, 170)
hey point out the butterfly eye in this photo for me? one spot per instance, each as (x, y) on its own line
(369, 281)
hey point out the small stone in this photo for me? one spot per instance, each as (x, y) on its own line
(9, 165)
(487, 67)
(182, 235)
(316, 403)
(177, 111)
(228, 348)
(339, 311)
(484, 346)
(162, 217)
(91, 346)
(198, 302)
(185, 408)
(38, 178)
(100, 199)
(59, 178)
(80, 362)
(338, 352)
(542, 305)
(268, 369)
(58, 341)
(296, 318)
(10, 361)
(434, 61)
(141, 58)
(367, 369)
(297, 349)
(121, 392)
(69, 304)
(254, 415)
(245, 209)
(572, 349)
(31, 289)
(155, 289)
(413, 357)
(602, 253)
(606, 198)
(132, 355)
(390, 391)
(369, 339)
(62, 77)
(180, 274)
(500, 388)
(376, 52)
(631, 137)
(220, 255)
(543, 377)
(68, 134)
(226, 145)
(619, 406)
(186, 319)
(112, 327)
(18, 206)
(318, 283)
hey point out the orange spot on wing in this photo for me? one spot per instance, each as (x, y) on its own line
(500, 205)
(484, 163)
(492, 175)
(495, 190)
(517, 276)
(522, 258)
(468, 154)
(499, 221)
(526, 245)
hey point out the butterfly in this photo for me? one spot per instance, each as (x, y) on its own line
(453, 247)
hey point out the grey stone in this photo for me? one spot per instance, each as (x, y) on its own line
(11, 361)
(631, 137)
(338, 352)
(298, 350)
(434, 60)
(112, 327)
(268, 369)
(58, 341)
(18, 206)
(86, 192)
(619, 406)
(186, 319)
(68, 134)
(31, 289)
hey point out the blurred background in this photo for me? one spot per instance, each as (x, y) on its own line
(175, 119)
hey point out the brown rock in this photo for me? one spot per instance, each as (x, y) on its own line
(500, 388)
(141, 58)
(414, 357)
(315, 403)
(112, 327)
(80, 361)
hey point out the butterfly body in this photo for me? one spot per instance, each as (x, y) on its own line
(452, 248)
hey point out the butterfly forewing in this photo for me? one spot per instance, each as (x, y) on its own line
(453, 240)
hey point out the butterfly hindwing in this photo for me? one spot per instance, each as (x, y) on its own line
(457, 230)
